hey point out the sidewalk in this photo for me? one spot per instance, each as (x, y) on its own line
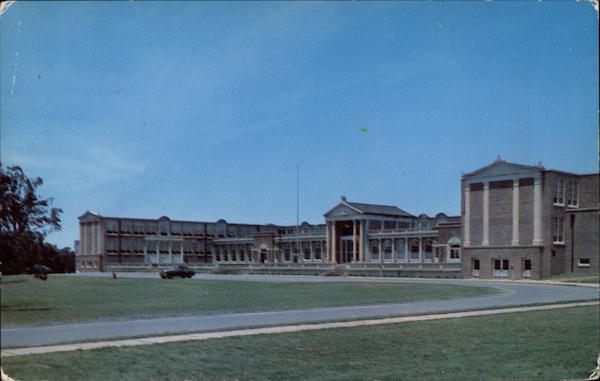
(277, 329)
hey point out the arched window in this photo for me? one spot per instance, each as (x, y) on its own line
(400, 250)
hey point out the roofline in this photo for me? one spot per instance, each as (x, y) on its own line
(342, 203)
(385, 214)
(524, 166)
(188, 221)
(572, 173)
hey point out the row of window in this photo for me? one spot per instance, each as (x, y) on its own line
(165, 227)
(139, 245)
(89, 264)
(571, 194)
(501, 268)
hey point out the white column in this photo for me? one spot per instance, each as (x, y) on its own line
(334, 243)
(354, 253)
(537, 212)
(82, 239)
(380, 250)
(327, 242)
(467, 221)
(515, 213)
(420, 250)
(486, 214)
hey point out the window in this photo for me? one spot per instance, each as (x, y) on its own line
(306, 250)
(317, 250)
(163, 247)
(424, 224)
(501, 267)
(198, 229)
(387, 249)
(558, 229)
(573, 193)
(374, 225)
(583, 262)
(151, 228)
(111, 245)
(414, 250)
(400, 249)
(428, 251)
(454, 252)
(476, 264)
(138, 227)
(558, 187)
(126, 227)
(151, 246)
(526, 268)
(375, 251)
(389, 225)
(403, 225)
(111, 226)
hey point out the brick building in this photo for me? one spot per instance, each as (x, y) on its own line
(354, 234)
(523, 221)
(517, 221)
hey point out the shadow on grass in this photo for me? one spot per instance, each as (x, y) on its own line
(4, 281)
(23, 308)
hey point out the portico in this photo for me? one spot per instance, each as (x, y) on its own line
(370, 233)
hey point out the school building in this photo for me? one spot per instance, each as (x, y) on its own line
(516, 221)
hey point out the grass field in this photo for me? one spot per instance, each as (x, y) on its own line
(544, 345)
(577, 278)
(25, 300)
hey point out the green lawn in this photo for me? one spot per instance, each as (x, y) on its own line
(543, 345)
(577, 278)
(30, 301)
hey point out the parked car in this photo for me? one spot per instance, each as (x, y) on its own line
(40, 271)
(179, 270)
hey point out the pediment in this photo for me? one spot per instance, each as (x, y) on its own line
(90, 216)
(502, 168)
(342, 210)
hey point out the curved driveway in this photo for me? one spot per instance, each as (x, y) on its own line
(513, 293)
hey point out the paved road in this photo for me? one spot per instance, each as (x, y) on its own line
(512, 294)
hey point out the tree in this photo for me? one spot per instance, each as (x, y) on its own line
(22, 210)
(25, 219)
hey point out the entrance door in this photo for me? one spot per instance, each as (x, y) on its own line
(345, 254)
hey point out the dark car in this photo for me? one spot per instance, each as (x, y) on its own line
(179, 270)
(40, 271)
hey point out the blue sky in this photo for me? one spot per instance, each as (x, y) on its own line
(201, 111)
